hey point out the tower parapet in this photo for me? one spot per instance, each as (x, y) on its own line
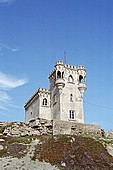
(82, 73)
(43, 90)
(70, 67)
(59, 63)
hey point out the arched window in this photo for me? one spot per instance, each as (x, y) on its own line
(44, 102)
(81, 80)
(58, 74)
(70, 78)
(71, 97)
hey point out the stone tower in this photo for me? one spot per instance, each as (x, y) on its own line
(64, 100)
(67, 86)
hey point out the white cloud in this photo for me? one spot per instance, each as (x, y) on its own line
(7, 47)
(4, 96)
(3, 108)
(7, 1)
(8, 82)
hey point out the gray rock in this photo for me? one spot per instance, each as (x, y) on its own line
(1, 147)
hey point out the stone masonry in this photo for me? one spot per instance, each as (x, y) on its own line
(64, 100)
(47, 127)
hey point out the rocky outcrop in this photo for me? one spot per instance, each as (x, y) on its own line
(16, 129)
(50, 127)
(109, 134)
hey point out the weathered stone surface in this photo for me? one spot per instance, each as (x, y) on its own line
(2, 140)
(1, 147)
(35, 127)
(109, 148)
(54, 127)
(72, 128)
(109, 134)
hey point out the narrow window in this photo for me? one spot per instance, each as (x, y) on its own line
(81, 80)
(71, 97)
(72, 114)
(44, 102)
(58, 74)
(62, 74)
(70, 78)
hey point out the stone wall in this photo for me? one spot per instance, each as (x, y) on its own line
(72, 128)
(47, 127)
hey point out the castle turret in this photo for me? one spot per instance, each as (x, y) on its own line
(81, 80)
(57, 83)
(67, 86)
(60, 83)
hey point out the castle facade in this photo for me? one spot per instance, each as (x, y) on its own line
(64, 100)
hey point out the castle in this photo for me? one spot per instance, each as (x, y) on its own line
(64, 100)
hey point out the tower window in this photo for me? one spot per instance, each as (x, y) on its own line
(58, 74)
(71, 97)
(70, 78)
(72, 114)
(62, 74)
(81, 80)
(44, 102)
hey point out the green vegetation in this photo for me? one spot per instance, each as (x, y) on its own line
(24, 140)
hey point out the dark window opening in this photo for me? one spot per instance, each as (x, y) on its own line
(71, 97)
(45, 102)
(58, 74)
(81, 80)
(72, 114)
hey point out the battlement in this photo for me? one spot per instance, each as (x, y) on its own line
(43, 90)
(81, 68)
(35, 95)
(59, 63)
(70, 67)
(67, 66)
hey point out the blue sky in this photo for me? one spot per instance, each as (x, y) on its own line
(35, 33)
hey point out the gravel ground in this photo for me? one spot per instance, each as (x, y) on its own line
(25, 163)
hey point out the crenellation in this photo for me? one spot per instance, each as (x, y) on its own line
(43, 90)
(59, 63)
(81, 68)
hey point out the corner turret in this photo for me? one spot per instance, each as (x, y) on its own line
(81, 80)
